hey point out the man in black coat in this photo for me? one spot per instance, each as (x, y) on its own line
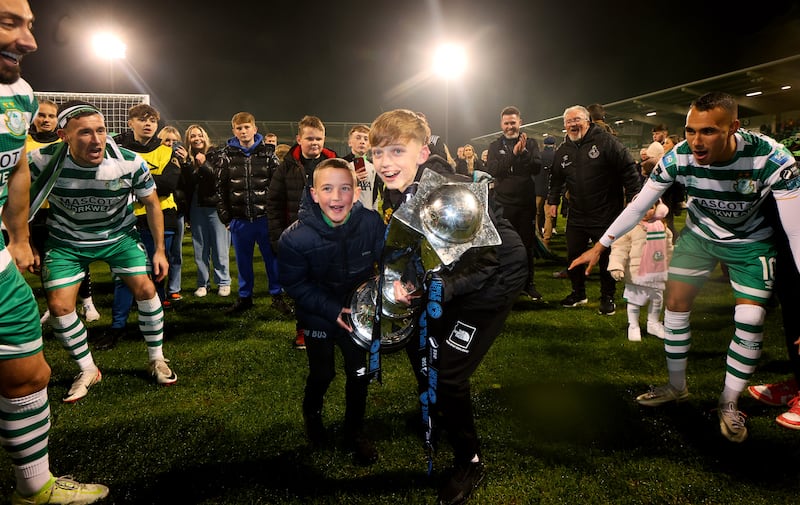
(600, 175)
(513, 162)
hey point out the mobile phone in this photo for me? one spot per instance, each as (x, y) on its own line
(358, 164)
(176, 145)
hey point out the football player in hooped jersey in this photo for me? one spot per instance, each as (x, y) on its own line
(24, 373)
(728, 173)
(90, 219)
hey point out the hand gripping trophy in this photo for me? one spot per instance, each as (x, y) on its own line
(429, 233)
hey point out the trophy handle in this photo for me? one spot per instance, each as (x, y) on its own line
(396, 327)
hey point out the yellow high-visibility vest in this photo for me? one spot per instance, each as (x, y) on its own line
(157, 160)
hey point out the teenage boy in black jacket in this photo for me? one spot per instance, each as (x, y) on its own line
(477, 292)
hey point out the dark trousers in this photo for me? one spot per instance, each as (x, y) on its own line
(320, 349)
(464, 337)
(523, 221)
(577, 241)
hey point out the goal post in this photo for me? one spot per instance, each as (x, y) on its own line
(114, 106)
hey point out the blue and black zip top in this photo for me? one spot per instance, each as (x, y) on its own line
(257, 139)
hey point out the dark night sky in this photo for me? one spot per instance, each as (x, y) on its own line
(350, 60)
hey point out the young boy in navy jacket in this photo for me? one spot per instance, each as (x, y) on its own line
(323, 256)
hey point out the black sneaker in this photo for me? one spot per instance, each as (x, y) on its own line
(574, 300)
(364, 452)
(607, 306)
(463, 479)
(533, 294)
(108, 340)
(242, 304)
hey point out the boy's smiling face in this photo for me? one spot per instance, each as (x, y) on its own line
(335, 191)
(396, 163)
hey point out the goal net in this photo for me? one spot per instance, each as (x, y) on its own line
(114, 106)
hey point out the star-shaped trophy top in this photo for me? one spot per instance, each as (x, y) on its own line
(452, 216)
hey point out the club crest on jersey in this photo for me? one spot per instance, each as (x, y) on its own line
(15, 122)
(781, 156)
(461, 337)
(744, 184)
(790, 177)
(594, 152)
(113, 184)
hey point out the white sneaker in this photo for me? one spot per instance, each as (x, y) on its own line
(200, 292)
(224, 291)
(90, 312)
(634, 333)
(80, 386)
(660, 395)
(45, 318)
(162, 373)
(655, 329)
(732, 422)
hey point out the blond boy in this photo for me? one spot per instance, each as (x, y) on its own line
(475, 295)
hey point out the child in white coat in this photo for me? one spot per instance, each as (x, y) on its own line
(641, 257)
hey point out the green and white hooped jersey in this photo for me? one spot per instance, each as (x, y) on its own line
(93, 206)
(724, 201)
(17, 107)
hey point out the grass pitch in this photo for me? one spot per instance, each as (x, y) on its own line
(554, 405)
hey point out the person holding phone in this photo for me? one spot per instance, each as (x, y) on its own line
(171, 137)
(358, 141)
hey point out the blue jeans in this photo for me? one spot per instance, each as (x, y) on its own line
(211, 242)
(123, 298)
(245, 235)
(175, 257)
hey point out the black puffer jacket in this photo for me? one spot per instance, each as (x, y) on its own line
(243, 178)
(319, 265)
(205, 184)
(599, 173)
(286, 191)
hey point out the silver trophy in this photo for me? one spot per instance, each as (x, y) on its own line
(430, 232)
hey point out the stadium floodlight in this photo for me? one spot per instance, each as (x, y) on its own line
(108, 46)
(449, 61)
